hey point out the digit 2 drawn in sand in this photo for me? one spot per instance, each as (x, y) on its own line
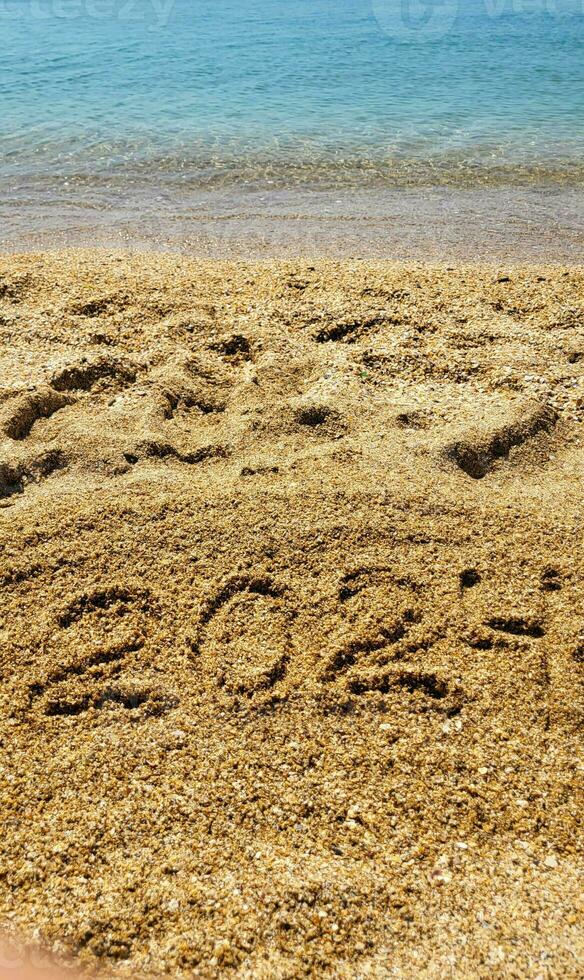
(377, 610)
(389, 630)
(92, 658)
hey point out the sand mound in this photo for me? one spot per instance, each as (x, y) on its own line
(292, 661)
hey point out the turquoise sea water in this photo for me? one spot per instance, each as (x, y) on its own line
(105, 98)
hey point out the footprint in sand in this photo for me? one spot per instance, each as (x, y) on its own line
(477, 454)
(16, 476)
(105, 371)
(234, 347)
(21, 413)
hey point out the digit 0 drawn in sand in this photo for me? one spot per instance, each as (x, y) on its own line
(243, 644)
(91, 659)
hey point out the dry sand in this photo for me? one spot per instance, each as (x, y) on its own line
(292, 660)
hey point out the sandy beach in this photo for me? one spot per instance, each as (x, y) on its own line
(292, 659)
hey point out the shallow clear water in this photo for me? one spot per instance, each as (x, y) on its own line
(104, 101)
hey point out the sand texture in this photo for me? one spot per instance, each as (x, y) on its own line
(292, 616)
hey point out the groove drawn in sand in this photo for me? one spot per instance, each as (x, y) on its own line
(153, 449)
(412, 681)
(348, 331)
(243, 644)
(373, 576)
(426, 688)
(517, 626)
(236, 347)
(21, 573)
(85, 375)
(153, 703)
(20, 415)
(87, 662)
(116, 597)
(16, 477)
(477, 456)
(551, 580)
(479, 638)
(258, 470)
(180, 404)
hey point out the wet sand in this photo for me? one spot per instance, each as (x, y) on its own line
(292, 661)
(531, 223)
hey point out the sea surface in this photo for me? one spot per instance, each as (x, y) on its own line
(293, 121)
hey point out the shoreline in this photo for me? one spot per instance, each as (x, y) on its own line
(519, 225)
